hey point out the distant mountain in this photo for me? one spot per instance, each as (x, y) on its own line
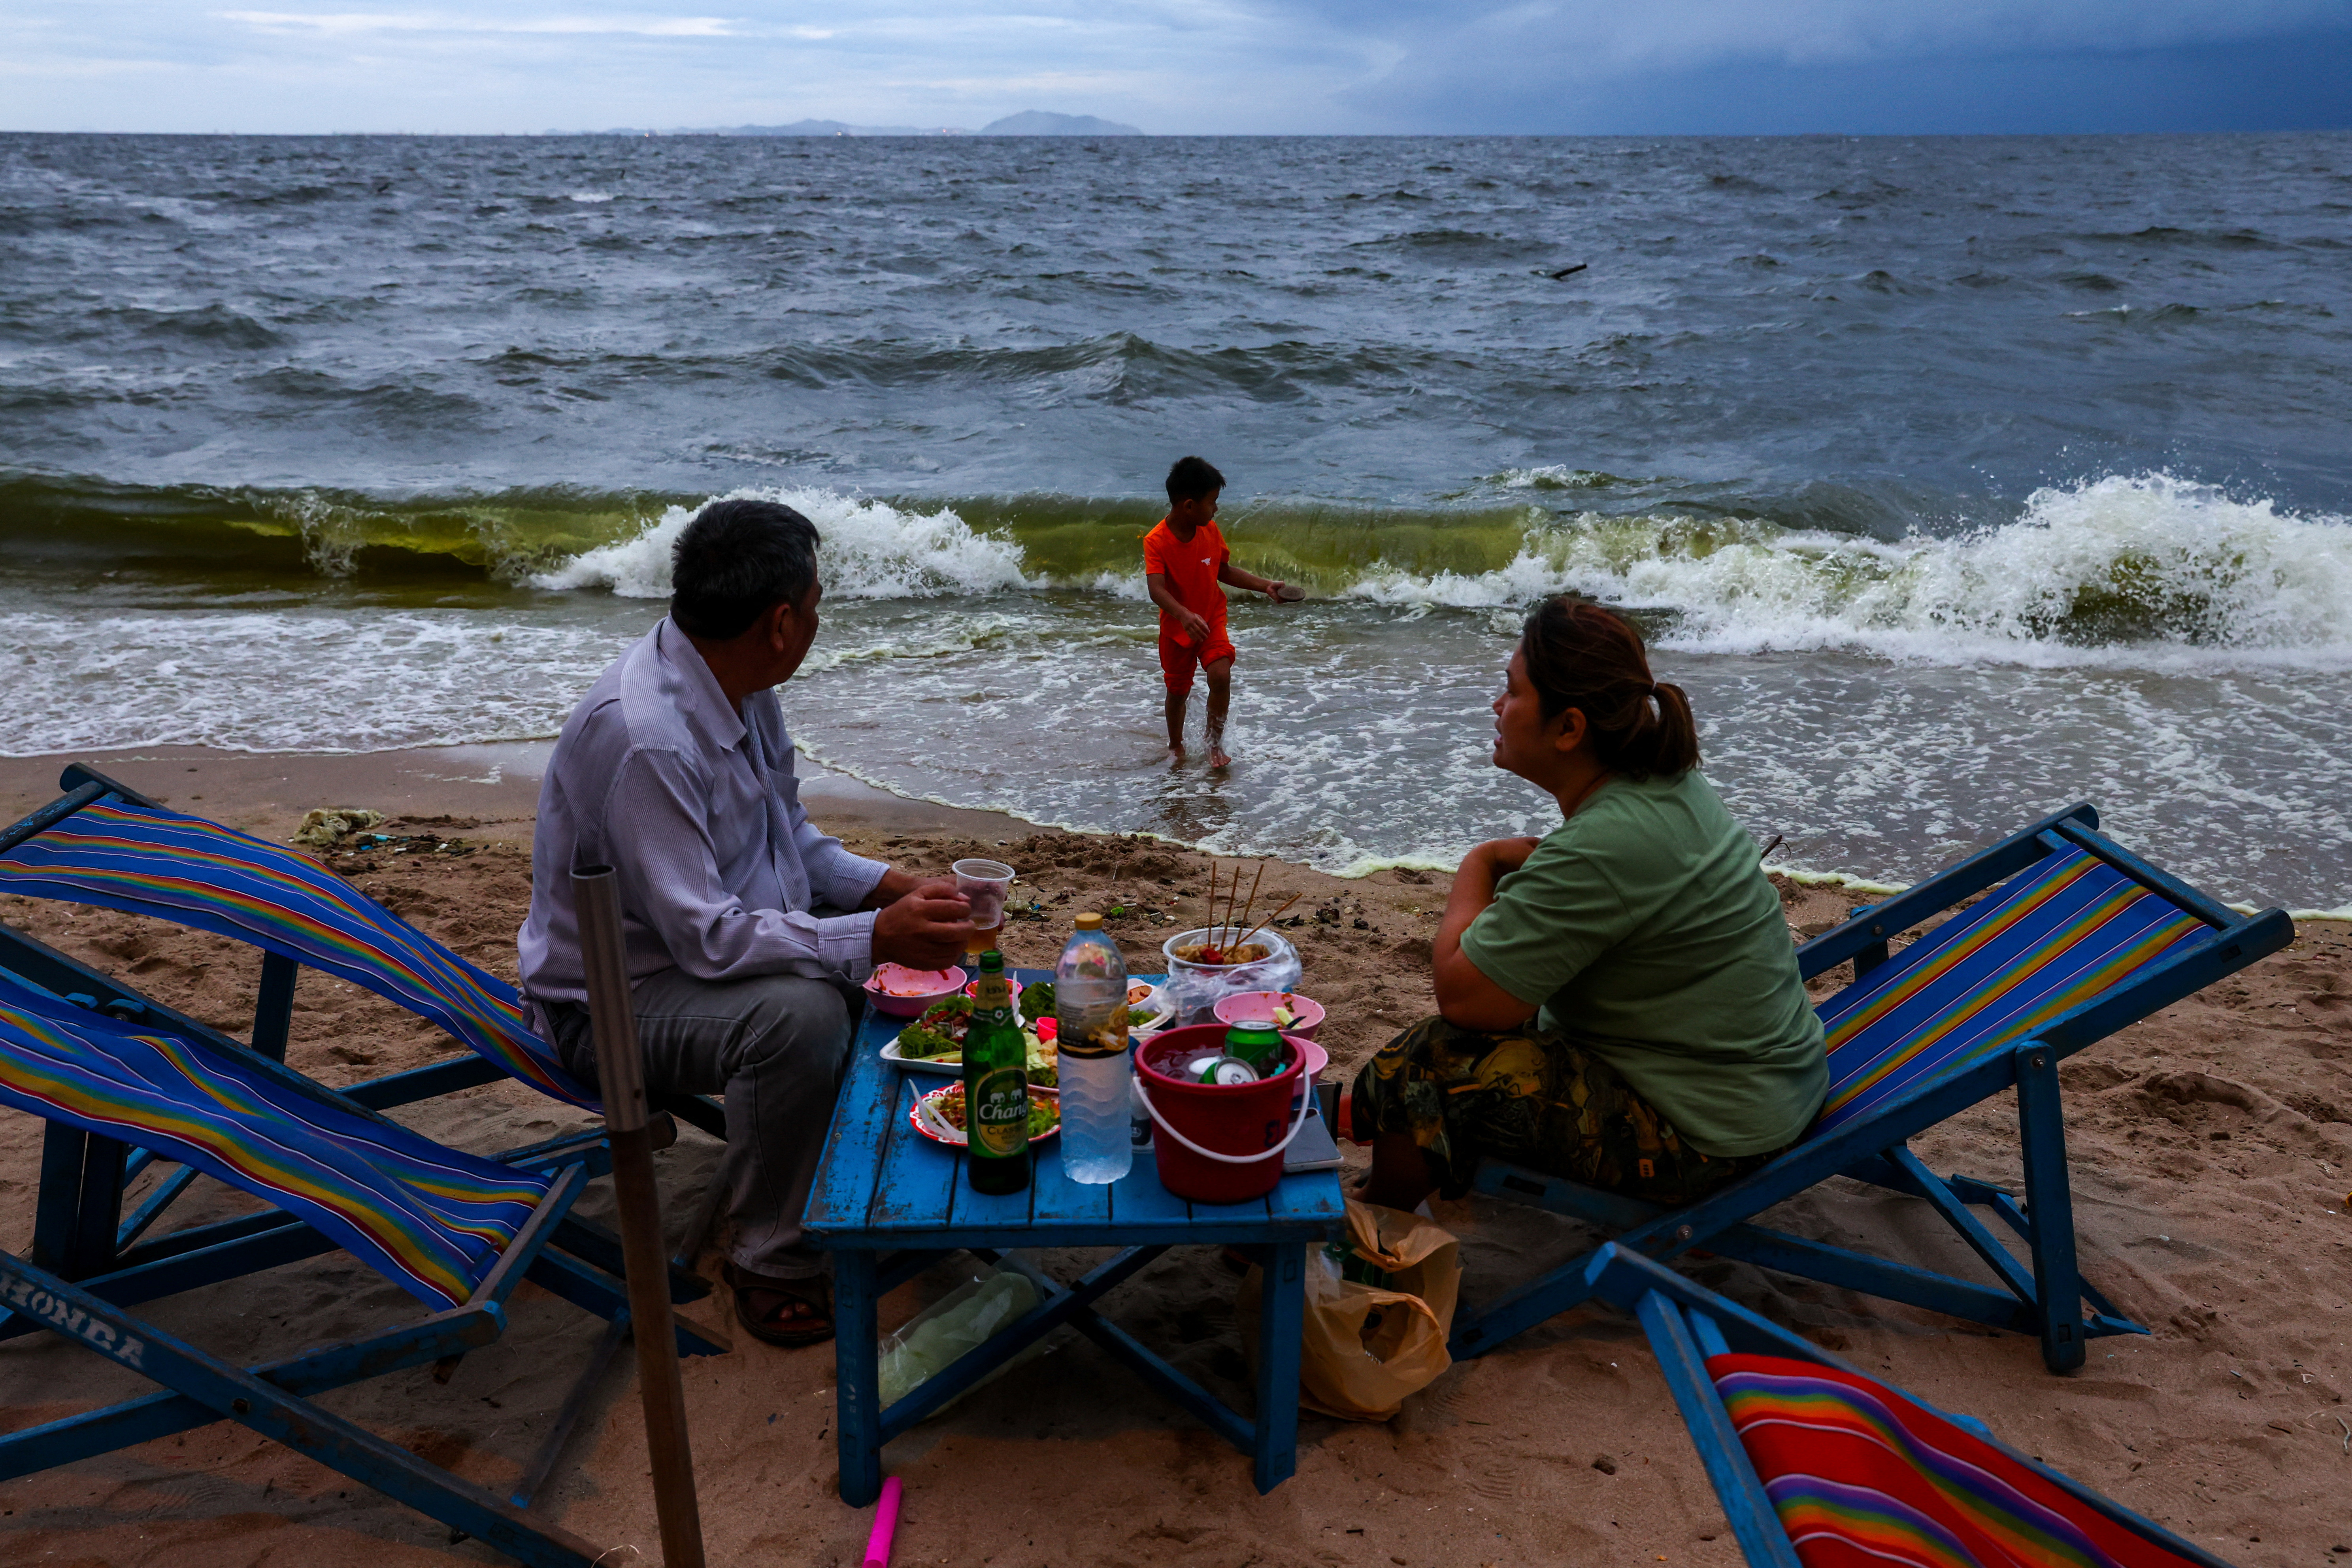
(1038, 122)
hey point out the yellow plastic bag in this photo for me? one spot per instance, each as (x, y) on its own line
(1364, 1347)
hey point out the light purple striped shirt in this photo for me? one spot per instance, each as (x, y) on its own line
(699, 811)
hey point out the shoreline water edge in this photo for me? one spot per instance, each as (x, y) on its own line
(491, 784)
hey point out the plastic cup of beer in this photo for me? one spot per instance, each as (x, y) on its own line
(987, 884)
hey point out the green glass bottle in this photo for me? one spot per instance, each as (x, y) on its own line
(995, 1086)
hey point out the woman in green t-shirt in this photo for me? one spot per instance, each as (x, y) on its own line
(1618, 1002)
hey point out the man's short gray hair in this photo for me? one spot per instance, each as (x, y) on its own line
(736, 561)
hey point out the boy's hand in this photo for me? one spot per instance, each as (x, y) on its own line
(1195, 624)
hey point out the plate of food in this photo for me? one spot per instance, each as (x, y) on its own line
(934, 1043)
(939, 1115)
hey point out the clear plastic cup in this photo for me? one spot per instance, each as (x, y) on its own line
(987, 883)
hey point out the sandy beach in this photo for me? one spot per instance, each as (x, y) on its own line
(2211, 1147)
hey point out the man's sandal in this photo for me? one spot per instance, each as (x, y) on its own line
(788, 1313)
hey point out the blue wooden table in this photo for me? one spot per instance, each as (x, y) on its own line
(888, 1203)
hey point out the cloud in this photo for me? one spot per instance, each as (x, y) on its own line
(348, 22)
(1206, 66)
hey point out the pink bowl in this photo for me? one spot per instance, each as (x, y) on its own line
(951, 983)
(1257, 1006)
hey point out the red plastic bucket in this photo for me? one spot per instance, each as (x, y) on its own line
(1217, 1144)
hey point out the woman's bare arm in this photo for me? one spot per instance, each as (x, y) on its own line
(1465, 997)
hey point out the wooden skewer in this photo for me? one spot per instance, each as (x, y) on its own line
(1209, 910)
(1252, 892)
(1273, 917)
(1232, 892)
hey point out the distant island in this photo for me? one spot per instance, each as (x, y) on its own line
(1028, 122)
(1038, 122)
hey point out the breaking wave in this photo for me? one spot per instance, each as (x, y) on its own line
(2115, 568)
(871, 550)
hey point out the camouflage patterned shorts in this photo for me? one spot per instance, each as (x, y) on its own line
(1537, 1098)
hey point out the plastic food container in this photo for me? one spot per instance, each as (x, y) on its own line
(1192, 991)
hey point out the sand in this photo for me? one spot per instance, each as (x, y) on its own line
(2212, 1149)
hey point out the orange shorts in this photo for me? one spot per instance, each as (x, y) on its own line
(1177, 659)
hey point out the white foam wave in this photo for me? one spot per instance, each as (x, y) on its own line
(366, 681)
(871, 550)
(2143, 569)
(1551, 477)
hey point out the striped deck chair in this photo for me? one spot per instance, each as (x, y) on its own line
(2077, 938)
(456, 1231)
(1819, 1464)
(102, 843)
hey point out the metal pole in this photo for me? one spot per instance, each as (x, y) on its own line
(621, 1075)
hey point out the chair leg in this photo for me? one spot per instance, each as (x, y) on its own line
(2042, 1133)
(63, 1149)
(273, 1006)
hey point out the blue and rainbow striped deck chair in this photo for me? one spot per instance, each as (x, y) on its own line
(2076, 938)
(1819, 1465)
(456, 1231)
(104, 844)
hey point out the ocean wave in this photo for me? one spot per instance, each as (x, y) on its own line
(2129, 568)
(2142, 569)
(871, 550)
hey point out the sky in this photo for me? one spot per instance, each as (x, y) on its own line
(1184, 66)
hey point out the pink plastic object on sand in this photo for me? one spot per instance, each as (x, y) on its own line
(886, 1524)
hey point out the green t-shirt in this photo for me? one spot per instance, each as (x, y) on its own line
(1645, 928)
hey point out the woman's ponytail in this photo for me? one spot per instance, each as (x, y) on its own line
(1675, 751)
(1585, 656)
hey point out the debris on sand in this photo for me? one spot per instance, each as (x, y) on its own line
(329, 826)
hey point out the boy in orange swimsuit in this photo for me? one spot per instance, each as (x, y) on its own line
(1184, 560)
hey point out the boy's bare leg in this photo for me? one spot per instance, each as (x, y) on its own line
(1220, 697)
(1174, 709)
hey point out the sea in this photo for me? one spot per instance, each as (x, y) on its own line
(1957, 479)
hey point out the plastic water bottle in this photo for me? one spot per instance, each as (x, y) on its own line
(1090, 1009)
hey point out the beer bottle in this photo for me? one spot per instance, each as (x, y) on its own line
(995, 1086)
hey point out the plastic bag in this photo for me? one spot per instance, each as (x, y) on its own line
(1365, 1345)
(1192, 991)
(964, 1319)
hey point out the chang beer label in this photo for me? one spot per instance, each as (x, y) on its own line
(996, 1113)
(996, 1070)
(1096, 1031)
(991, 999)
